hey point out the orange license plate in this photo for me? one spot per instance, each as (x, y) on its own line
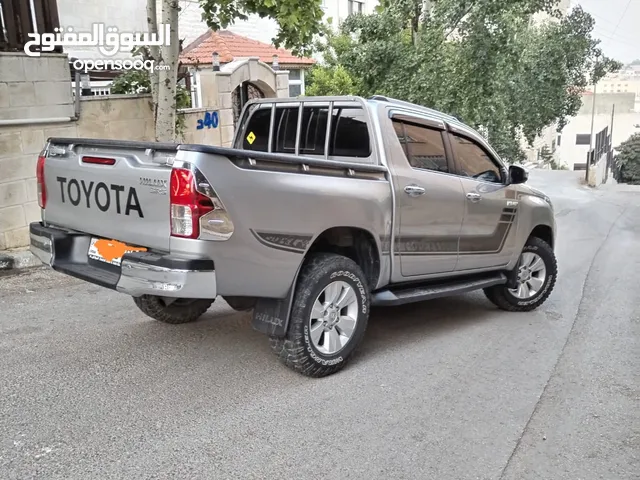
(110, 251)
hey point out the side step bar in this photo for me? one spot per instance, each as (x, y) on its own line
(413, 293)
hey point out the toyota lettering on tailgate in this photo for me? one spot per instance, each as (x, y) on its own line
(99, 194)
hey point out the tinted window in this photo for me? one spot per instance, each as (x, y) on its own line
(286, 124)
(423, 146)
(473, 161)
(314, 130)
(350, 133)
(256, 135)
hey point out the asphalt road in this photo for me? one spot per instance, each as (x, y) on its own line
(450, 389)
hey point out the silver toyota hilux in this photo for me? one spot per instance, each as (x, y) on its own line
(323, 208)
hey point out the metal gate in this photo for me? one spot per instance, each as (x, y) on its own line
(241, 95)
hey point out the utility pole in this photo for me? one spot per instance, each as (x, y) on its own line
(610, 152)
(593, 114)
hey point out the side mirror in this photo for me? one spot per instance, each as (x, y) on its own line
(517, 174)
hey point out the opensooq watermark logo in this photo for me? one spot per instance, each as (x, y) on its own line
(109, 42)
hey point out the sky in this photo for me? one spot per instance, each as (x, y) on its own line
(617, 26)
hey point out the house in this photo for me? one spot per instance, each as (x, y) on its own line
(224, 47)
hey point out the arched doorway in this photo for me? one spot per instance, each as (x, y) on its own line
(241, 95)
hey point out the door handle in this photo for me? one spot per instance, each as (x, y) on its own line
(474, 197)
(414, 190)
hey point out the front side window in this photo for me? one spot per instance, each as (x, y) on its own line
(473, 161)
(423, 146)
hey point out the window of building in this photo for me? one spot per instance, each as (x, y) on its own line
(583, 139)
(559, 140)
(473, 161)
(355, 7)
(422, 146)
(296, 82)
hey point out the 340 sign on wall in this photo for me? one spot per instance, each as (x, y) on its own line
(210, 120)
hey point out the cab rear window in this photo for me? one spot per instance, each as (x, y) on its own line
(349, 136)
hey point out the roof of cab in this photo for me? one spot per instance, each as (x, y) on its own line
(380, 99)
(374, 99)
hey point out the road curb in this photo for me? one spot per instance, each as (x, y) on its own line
(17, 260)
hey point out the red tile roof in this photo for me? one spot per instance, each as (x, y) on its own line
(231, 46)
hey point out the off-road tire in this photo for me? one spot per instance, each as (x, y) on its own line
(175, 313)
(500, 295)
(296, 350)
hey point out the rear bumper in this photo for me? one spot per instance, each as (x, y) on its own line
(141, 273)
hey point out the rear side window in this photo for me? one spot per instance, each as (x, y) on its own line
(349, 132)
(313, 131)
(423, 146)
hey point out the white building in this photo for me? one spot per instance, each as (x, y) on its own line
(626, 80)
(548, 137)
(573, 143)
(130, 16)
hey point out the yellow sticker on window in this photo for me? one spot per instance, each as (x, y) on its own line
(251, 138)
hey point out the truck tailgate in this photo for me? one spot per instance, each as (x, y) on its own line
(112, 189)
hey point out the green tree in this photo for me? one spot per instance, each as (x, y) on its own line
(299, 21)
(627, 162)
(482, 61)
(139, 81)
(325, 80)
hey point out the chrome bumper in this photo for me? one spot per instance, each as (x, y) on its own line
(137, 279)
(140, 273)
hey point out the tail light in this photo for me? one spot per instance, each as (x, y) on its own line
(187, 204)
(42, 189)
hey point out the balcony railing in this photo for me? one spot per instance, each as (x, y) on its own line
(19, 18)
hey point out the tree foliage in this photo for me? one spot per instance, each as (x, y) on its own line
(483, 61)
(299, 20)
(323, 80)
(627, 162)
(139, 81)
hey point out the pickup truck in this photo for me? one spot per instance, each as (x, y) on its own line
(322, 208)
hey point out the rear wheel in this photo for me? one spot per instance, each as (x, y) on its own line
(536, 276)
(172, 310)
(329, 316)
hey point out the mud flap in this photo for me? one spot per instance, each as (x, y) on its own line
(271, 315)
(512, 276)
